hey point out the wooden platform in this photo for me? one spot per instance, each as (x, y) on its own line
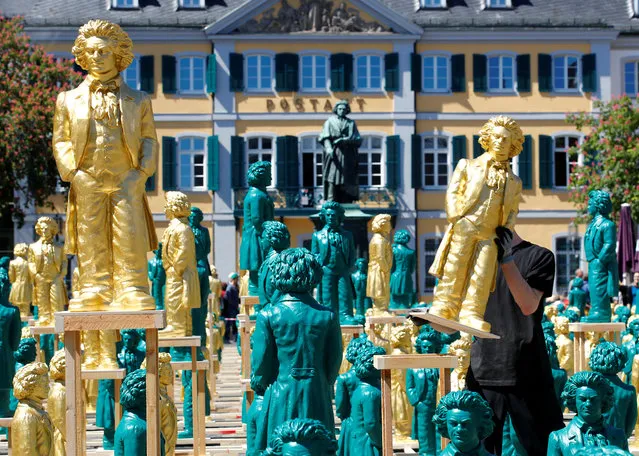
(580, 329)
(37, 332)
(449, 326)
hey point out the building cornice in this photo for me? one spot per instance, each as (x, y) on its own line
(51, 34)
(486, 115)
(475, 34)
(311, 36)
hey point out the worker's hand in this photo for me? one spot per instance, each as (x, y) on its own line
(504, 242)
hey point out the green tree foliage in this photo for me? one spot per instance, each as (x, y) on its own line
(30, 83)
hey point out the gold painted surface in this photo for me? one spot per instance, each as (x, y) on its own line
(400, 342)
(168, 411)
(56, 402)
(21, 283)
(461, 349)
(565, 346)
(380, 262)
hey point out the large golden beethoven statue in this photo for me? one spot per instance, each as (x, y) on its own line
(483, 194)
(105, 144)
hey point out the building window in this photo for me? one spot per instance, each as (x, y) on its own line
(191, 71)
(565, 159)
(498, 4)
(192, 163)
(565, 69)
(501, 71)
(314, 72)
(370, 161)
(131, 75)
(369, 72)
(630, 77)
(431, 244)
(260, 148)
(312, 165)
(192, 3)
(567, 256)
(435, 161)
(259, 72)
(435, 74)
(433, 3)
(124, 4)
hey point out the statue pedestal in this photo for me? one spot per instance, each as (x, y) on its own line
(37, 331)
(246, 324)
(247, 304)
(117, 375)
(580, 330)
(450, 326)
(356, 222)
(71, 324)
(386, 363)
(213, 360)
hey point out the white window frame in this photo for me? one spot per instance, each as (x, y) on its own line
(555, 239)
(115, 4)
(634, 60)
(424, 270)
(138, 76)
(260, 151)
(260, 53)
(580, 157)
(435, 55)
(565, 55)
(440, 4)
(327, 75)
(501, 55)
(201, 4)
(449, 159)
(490, 4)
(382, 151)
(192, 135)
(191, 55)
(368, 54)
(319, 151)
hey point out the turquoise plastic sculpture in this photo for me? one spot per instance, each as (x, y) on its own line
(26, 353)
(5, 283)
(10, 327)
(258, 208)
(301, 437)
(559, 375)
(609, 359)
(157, 276)
(297, 348)
(600, 243)
(275, 239)
(590, 396)
(359, 277)
(602, 451)
(130, 436)
(202, 250)
(631, 347)
(578, 297)
(402, 289)
(344, 389)
(184, 354)
(334, 248)
(254, 411)
(130, 356)
(421, 388)
(366, 426)
(622, 314)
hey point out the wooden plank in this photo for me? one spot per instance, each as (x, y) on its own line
(399, 311)
(201, 408)
(387, 414)
(127, 319)
(103, 374)
(117, 383)
(75, 395)
(355, 330)
(152, 391)
(579, 355)
(449, 326)
(6, 422)
(188, 365)
(381, 320)
(596, 327)
(42, 330)
(197, 438)
(188, 341)
(250, 300)
(415, 361)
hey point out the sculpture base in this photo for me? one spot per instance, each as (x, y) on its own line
(449, 326)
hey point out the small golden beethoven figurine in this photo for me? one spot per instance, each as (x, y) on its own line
(32, 429)
(168, 412)
(483, 194)
(56, 403)
(461, 349)
(105, 145)
(21, 284)
(380, 263)
(400, 342)
(48, 266)
(178, 258)
(565, 345)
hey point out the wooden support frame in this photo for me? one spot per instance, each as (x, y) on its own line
(579, 345)
(6, 423)
(37, 331)
(247, 303)
(246, 324)
(71, 324)
(117, 375)
(212, 358)
(386, 363)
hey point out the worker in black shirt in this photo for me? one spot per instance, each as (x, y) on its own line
(513, 373)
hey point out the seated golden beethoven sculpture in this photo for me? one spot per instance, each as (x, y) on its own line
(105, 145)
(483, 194)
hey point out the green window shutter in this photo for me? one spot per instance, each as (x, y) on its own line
(459, 149)
(544, 72)
(545, 161)
(458, 73)
(393, 146)
(391, 72)
(477, 149)
(589, 72)
(213, 163)
(169, 81)
(523, 73)
(280, 162)
(147, 81)
(237, 162)
(286, 72)
(287, 162)
(169, 163)
(416, 73)
(341, 72)
(417, 167)
(525, 163)
(236, 72)
(211, 74)
(480, 72)
(149, 186)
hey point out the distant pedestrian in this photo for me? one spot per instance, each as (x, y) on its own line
(231, 308)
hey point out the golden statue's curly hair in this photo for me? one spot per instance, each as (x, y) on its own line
(561, 325)
(26, 379)
(509, 124)
(43, 223)
(20, 250)
(122, 44)
(379, 221)
(178, 204)
(57, 366)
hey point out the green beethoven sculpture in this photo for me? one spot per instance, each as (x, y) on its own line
(359, 278)
(559, 375)
(421, 388)
(202, 250)
(25, 354)
(600, 242)
(402, 289)
(258, 208)
(590, 396)
(301, 437)
(5, 283)
(157, 276)
(577, 297)
(631, 347)
(609, 359)
(297, 350)
(10, 328)
(602, 451)
(334, 248)
(622, 314)
(275, 239)
(340, 140)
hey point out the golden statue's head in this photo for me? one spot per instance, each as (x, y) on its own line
(112, 45)
(177, 205)
(461, 349)
(165, 369)
(20, 250)
(46, 227)
(502, 138)
(31, 382)
(561, 325)
(401, 336)
(381, 224)
(57, 366)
